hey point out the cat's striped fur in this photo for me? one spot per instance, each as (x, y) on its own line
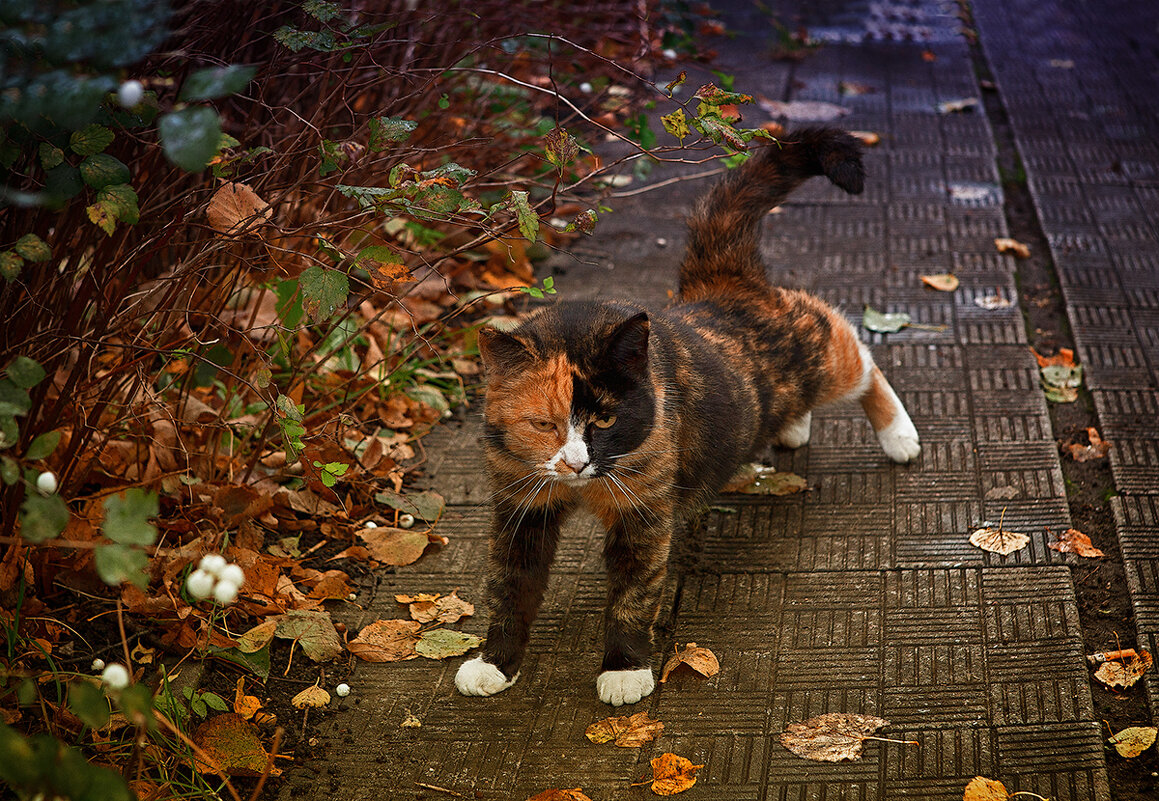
(642, 417)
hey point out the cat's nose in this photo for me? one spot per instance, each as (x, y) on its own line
(577, 463)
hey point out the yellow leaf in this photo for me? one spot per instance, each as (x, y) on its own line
(672, 774)
(311, 697)
(982, 789)
(1133, 741)
(628, 731)
(1007, 245)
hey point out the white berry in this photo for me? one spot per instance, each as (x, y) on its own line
(233, 574)
(46, 483)
(115, 677)
(342, 690)
(212, 563)
(200, 584)
(225, 592)
(371, 524)
(98, 664)
(406, 521)
(130, 93)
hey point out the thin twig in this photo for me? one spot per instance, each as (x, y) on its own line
(438, 789)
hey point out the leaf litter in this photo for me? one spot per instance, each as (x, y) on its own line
(1132, 741)
(627, 731)
(1097, 449)
(833, 737)
(1074, 541)
(431, 607)
(759, 479)
(672, 774)
(701, 660)
(982, 789)
(996, 539)
(1124, 673)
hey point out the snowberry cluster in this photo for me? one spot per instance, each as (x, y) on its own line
(217, 577)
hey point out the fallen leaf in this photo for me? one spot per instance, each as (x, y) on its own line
(1064, 358)
(1133, 741)
(852, 88)
(833, 737)
(410, 721)
(1007, 245)
(943, 282)
(386, 641)
(258, 637)
(246, 705)
(797, 110)
(1074, 541)
(1060, 382)
(1084, 453)
(428, 505)
(882, 323)
(993, 302)
(982, 789)
(426, 608)
(235, 209)
(394, 546)
(628, 731)
(560, 795)
(442, 643)
(231, 747)
(959, 105)
(672, 774)
(1124, 673)
(311, 698)
(702, 660)
(313, 630)
(996, 539)
(758, 479)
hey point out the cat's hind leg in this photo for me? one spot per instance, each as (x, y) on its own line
(795, 433)
(895, 430)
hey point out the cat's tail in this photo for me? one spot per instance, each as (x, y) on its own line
(724, 227)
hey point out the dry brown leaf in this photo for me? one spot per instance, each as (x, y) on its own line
(992, 302)
(943, 282)
(1124, 673)
(1074, 541)
(672, 774)
(628, 731)
(386, 641)
(833, 737)
(245, 705)
(702, 660)
(230, 746)
(1007, 245)
(258, 637)
(311, 697)
(429, 607)
(982, 789)
(560, 795)
(1133, 741)
(236, 208)
(394, 546)
(1098, 448)
(996, 539)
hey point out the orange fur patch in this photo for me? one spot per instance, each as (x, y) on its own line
(878, 401)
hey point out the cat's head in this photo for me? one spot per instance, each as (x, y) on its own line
(569, 390)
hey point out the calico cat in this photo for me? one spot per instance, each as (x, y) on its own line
(643, 416)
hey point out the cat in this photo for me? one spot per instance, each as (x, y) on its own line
(643, 417)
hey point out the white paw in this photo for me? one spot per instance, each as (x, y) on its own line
(796, 433)
(619, 687)
(476, 677)
(900, 440)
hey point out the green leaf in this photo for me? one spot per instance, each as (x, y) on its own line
(42, 517)
(10, 264)
(442, 643)
(257, 662)
(876, 321)
(102, 169)
(314, 631)
(549, 285)
(444, 101)
(718, 130)
(102, 215)
(43, 446)
(33, 248)
(295, 40)
(25, 372)
(321, 10)
(90, 140)
(427, 505)
(714, 96)
(50, 155)
(560, 148)
(384, 130)
(119, 563)
(63, 181)
(127, 517)
(9, 470)
(323, 291)
(9, 430)
(14, 400)
(289, 306)
(190, 137)
(215, 702)
(217, 82)
(120, 201)
(676, 124)
(528, 220)
(88, 703)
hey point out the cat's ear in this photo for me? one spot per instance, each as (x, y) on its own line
(628, 343)
(501, 352)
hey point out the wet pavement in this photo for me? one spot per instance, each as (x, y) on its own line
(862, 595)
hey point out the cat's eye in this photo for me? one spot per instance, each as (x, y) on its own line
(543, 425)
(605, 421)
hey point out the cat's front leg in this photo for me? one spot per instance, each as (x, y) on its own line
(636, 554)
(521, 550)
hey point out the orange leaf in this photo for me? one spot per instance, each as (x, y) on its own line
(1125, 673)
(1007, 245)
(1064, 358)
(1074, 541)
(702, 660)
(386, 641)
(245, 705)
(982, 789)
(943, 282)
(628, 731)
(1084, 453)
(560, 795)
(235, 208)
(394, 546)
(672, 774)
